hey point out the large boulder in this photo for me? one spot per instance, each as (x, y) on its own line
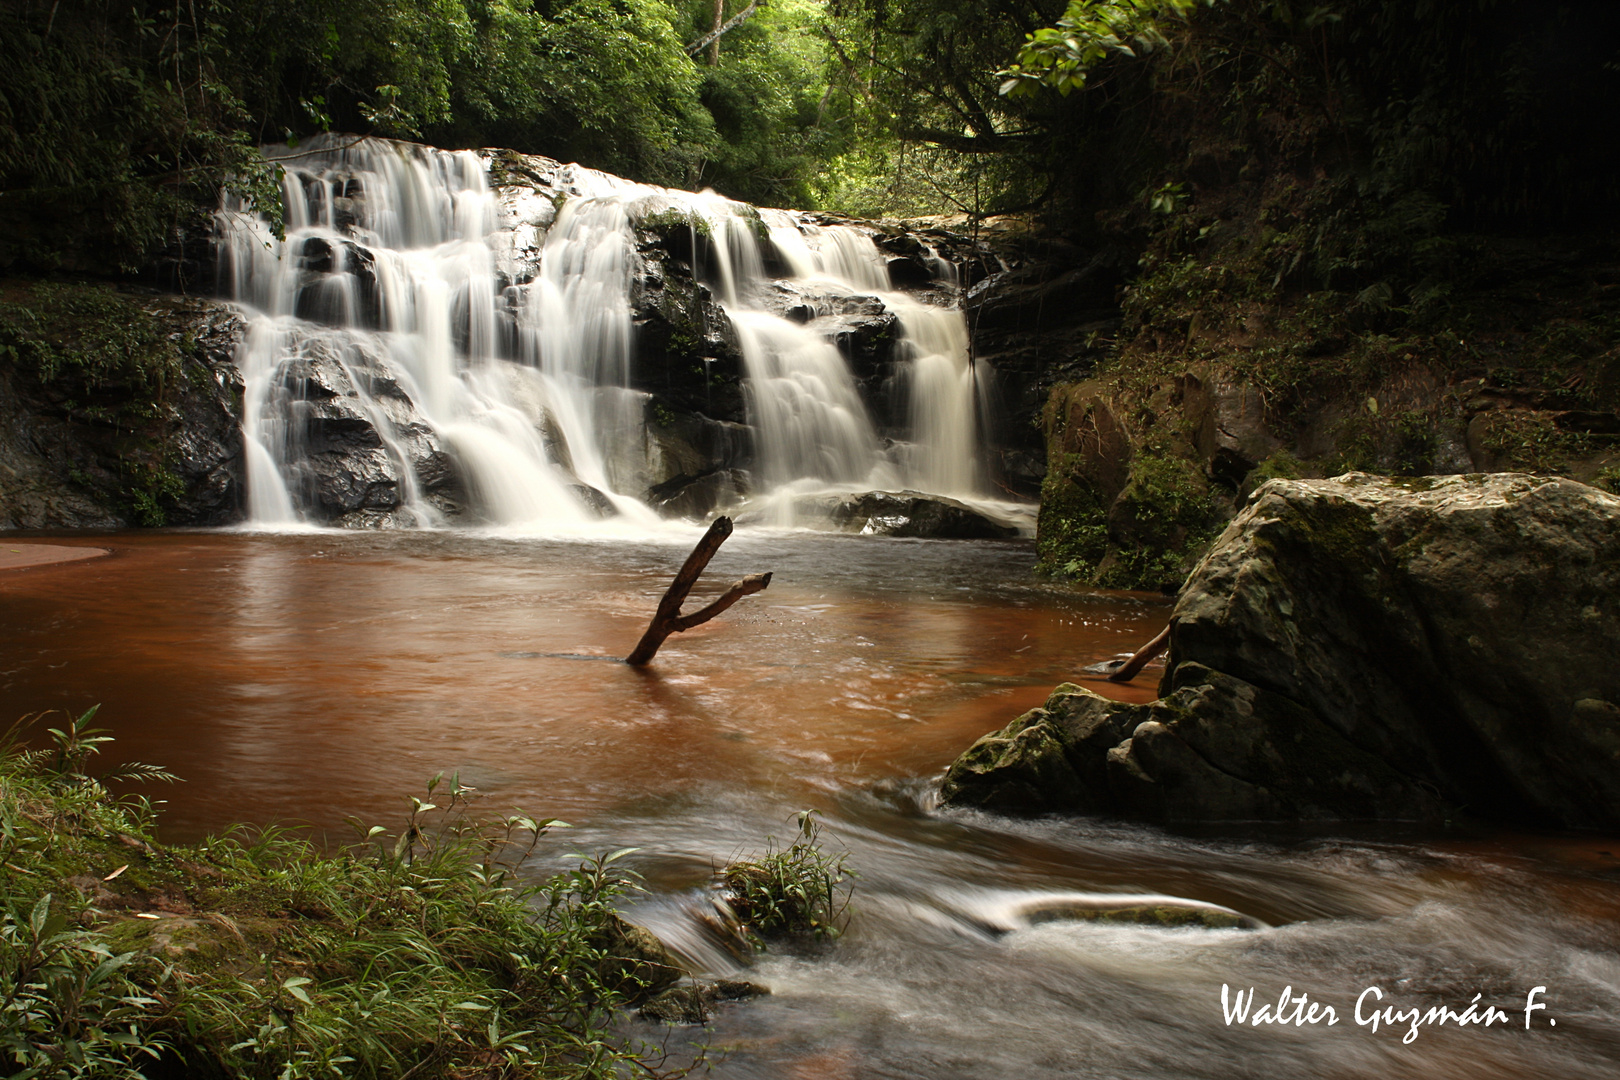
(1361, 648)
(354, 431)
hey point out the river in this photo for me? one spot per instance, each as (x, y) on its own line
(309, 676)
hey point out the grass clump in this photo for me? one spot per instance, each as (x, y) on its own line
(254, 954)
(798, 892)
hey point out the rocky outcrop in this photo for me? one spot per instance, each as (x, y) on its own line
(117, 409)
(1359, 648)
(634, 962)
(1516, 371)
(360, 460)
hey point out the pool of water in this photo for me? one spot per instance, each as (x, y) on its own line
(308, 677)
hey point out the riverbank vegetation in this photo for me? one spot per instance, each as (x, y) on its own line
(419, 951)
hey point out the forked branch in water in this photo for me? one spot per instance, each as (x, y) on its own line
(668, 619)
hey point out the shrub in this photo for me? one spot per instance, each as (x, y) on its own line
(254, 954)
(797, 892)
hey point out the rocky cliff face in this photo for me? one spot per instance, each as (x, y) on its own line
(1360, 648)
(117, 409)
(1206, 397)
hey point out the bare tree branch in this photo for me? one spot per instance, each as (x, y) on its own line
(726, 27)
(668, 619)
(1136, 663)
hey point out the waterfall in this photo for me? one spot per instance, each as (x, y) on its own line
(407, 364)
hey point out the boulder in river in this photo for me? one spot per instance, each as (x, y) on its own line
(906, 513)
(1360, 648)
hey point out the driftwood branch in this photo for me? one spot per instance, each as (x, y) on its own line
(1139, 660)
(668, 619)
(730, 24)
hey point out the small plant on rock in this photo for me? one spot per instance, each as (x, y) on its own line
(797, 892)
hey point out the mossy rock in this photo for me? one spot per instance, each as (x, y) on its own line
(634, 962)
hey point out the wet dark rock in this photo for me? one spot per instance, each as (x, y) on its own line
(1035, 299)
(1365, 648)
(906, 513)
(696, 465)
(686, 350)
(76, 455)
(700, 497)
(339, 284)
(595, 501)
(346, 458)
(909, 273)
(691, 1004)
(1040, 312)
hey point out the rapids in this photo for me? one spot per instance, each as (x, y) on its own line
(309, 676)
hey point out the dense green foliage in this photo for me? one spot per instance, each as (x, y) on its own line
(254, 955)
(114, 371)
(120, 121)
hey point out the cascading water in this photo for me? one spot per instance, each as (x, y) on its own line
(402, 368)
(946, 391)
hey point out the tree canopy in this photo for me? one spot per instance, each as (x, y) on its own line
(119, 118)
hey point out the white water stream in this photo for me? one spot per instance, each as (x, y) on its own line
(383, 310)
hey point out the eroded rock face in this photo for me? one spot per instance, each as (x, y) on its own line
(1361, 648)
(348, 452)
(76, 454)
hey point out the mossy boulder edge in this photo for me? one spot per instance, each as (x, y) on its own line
(1359, 648)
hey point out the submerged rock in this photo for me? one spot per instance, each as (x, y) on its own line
(1360, 648)
(1164, 913)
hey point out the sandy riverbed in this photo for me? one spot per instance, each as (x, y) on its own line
(19, 554)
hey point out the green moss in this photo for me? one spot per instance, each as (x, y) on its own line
(104, 361)
(1528, 441)
(1334, 531)
(1072, 526)
(671, 218)
(1279, 466)
(88, 338)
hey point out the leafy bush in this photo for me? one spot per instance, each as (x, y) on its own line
(254, 954)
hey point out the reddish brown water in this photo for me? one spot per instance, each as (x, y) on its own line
(319, 675)
(313, 676)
